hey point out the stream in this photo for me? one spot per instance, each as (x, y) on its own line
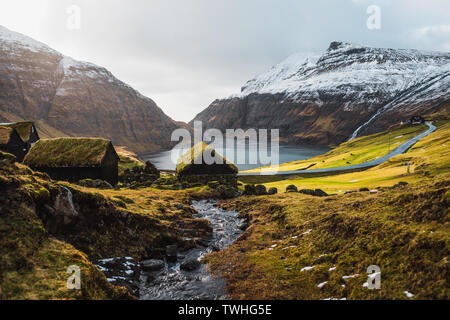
(175, 282)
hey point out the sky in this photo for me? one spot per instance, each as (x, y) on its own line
(185, 54)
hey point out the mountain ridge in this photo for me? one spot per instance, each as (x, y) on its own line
(325, 98)
(75, 98)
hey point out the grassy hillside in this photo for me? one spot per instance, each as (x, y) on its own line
(428, 157)
(303, 247)
(38, 242)
(357, 151)
(296, 242)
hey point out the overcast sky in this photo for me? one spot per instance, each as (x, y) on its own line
(186, 53)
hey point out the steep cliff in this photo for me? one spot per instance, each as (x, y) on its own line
(68, 97)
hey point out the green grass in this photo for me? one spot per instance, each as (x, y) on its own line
(127, 162)
(429, 157)
(405, 231)
(357, 151)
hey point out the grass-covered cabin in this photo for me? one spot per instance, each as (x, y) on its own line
(192, 166)
(26, 130)
(74, 159)
(11, 142)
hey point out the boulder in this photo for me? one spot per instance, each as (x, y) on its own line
(272, 191)
(190, 265)
(320, 193)
(172, 252)
(226, 192)
(260, 190)
(291, 188)
(314, 193)
(249, 190)
(308, 192)
(400, 184)
(150, 168)
(97, 183)
(152, 265)
(364, 190)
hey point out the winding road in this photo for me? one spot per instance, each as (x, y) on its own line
(399, 150)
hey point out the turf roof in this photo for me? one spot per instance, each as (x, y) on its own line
(188, 159)
(22, 128)
(5, 135)
(67, 152)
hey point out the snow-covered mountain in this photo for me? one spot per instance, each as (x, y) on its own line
(68, 97)
(347, 91)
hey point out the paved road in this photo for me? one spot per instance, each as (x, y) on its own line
(399, 150)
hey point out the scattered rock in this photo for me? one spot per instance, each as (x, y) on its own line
(314, 193)
(172, 252)
(260, 190)
(97, 183)
(320, 193)
(190, 265)
(291, 188)
(400, 185)
(243, 226)
(249, 190)
(307, 191)
(152, 265)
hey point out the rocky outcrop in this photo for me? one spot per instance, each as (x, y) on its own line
(348, 90)
(68, 97)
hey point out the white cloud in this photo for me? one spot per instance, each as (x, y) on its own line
(434, 34)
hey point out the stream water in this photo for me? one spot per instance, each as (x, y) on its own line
(173, 282)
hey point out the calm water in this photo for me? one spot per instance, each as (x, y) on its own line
(287, 153)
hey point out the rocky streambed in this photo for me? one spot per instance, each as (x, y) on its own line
(183, 276)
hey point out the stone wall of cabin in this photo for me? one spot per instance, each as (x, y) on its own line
(225, 179)
(108, 174)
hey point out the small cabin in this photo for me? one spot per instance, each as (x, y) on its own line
(11, 142)
(75, 159)
(202, 164)
(26, 130)
(416, 120)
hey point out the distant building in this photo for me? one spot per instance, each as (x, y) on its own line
(192, 163)
(74, 159)
(11, 142)
(417, 120)
(26, 130)
(192, 168)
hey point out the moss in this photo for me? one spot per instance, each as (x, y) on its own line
(126, 162)
(23, 129)
(33, 263)
(190, 158)
(67, 152)
(5, 135)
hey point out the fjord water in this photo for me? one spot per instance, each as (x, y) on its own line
(166, 160)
